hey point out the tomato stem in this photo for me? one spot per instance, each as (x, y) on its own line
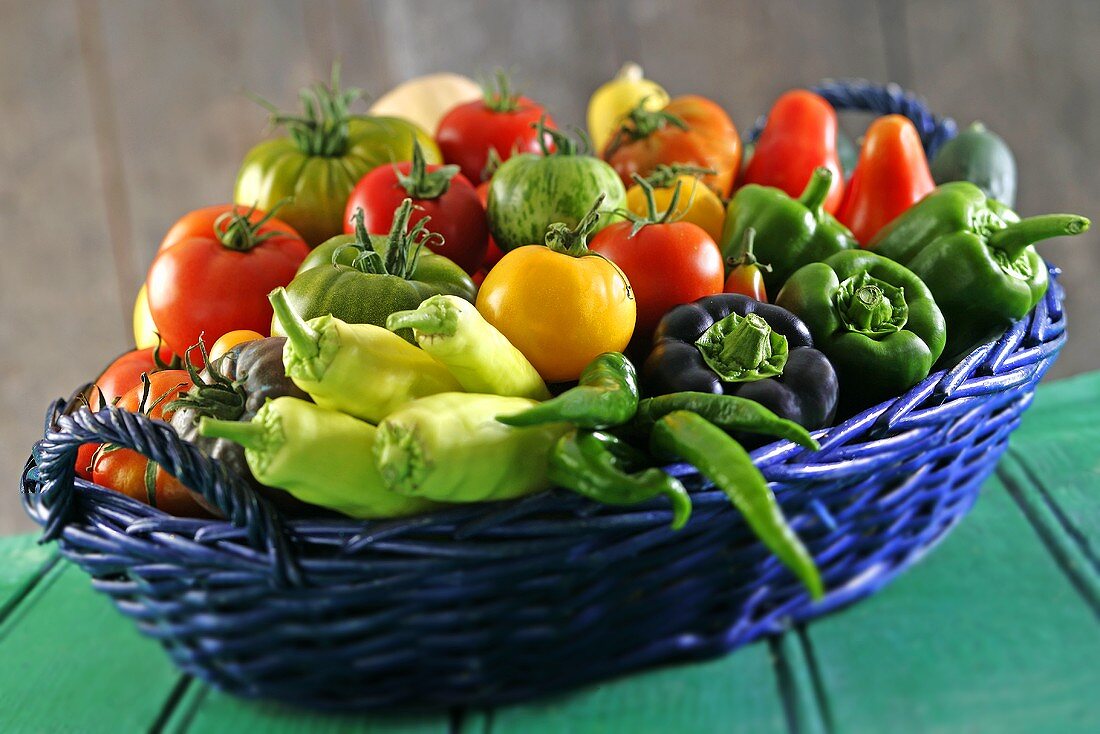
(237, 231)
(422, 184)
(668, 216)
(664, 175)
(564, 144)
(499, 97)
(322, 129)
(747, 258)
(574, 242)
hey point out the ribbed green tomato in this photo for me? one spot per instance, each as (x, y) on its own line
(319, 185)
(316, 165)
(530, 192)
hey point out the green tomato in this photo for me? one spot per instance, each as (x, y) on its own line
(438, 272)
(324, 286)
(529, 192)
(317, 186)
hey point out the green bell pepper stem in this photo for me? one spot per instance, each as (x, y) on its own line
(305, 338)
(1018, 236)
(597, 465)
(817, 189)
(685, 435)
(247, 434)
(606, 396)
(749, 344)
(729, 412)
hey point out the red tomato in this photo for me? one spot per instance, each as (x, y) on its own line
(130, 473)
(457, 214)
(123, 374)
(164, 387)
(667, 264)
(748, 281)
(503, 123)
(492, 252)
(119, 377)
(213, 276)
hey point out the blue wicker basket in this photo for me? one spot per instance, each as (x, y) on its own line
(502, 602)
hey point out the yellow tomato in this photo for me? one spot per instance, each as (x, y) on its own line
(615, 99)
(559, 310)
(698, 204)
(231, 339)
(145, 331)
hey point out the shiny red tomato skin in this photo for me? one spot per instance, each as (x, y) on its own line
(123, 374)
(469, 130)
(748, 281)
(200, 286)
(458, 214)
(667, 265)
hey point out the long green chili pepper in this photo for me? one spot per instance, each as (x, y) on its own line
(692, 438)
(607, 396)
(598, 466)
(725, 411)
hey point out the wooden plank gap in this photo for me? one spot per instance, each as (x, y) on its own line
(24, 590)
(895, 41)
(93, 53)
(817, 680)
(1056, 533)
(184, 707)
(175, 696)
(796, 687)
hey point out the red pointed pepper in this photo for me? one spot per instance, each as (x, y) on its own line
(891, 176)
(799, 137)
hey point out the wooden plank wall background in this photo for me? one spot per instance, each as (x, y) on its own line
(119, 116)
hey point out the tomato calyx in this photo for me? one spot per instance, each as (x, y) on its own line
(665, 175)
(652, 216)
(747, 258)
(498, 94)
(322, 129)
(555, 142)
(403, 248)
(236, 230)
(420, 183)
(219, 398)
(574, 242)
(640, 123)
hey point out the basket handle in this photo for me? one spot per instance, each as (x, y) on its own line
(884, 99)
(56, 453)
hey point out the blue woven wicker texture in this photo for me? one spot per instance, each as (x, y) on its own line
(496, 603)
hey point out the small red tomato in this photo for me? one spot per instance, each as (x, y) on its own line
(216, 276)
(667, 264)
(438, 192)
(128, 472)
(745, 276)
(119, 377)
(501, 121)
(492, 253)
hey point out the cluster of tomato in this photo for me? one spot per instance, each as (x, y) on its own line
(495, 173)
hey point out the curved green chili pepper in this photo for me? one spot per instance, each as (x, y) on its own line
(606, 396)
(728, 412)
(692, 438)
(598, 466)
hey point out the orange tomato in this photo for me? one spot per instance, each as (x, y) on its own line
(708, 139)
(231, 339)
(561, 311)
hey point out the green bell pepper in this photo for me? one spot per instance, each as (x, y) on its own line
(875, 320)
(790, 232)
(377, 279)
(976, 256)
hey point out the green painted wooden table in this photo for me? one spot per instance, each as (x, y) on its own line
(997, 631)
